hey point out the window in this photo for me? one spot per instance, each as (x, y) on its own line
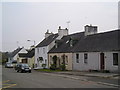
(45, 61)
(85, 58)
(77, 58)
(40, 59)
(115, 58)
(43, 50)
(37, 50)
(66, 60)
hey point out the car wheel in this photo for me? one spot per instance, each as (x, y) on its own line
(21, 71)
(17, 70)
(29, 71)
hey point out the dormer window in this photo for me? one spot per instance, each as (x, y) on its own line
(67, 41)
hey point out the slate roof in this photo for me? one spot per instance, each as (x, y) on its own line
(47, 40)
(12, 54)
(31, 53)
(107, 41)
(23, 55)
(65, 43)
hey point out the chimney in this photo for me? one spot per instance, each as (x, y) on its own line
(47, 34)
(62, 32)
(89, 30)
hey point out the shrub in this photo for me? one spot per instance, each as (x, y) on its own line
(43, 65)
(53, 67)
(106, 71)
(62, 67)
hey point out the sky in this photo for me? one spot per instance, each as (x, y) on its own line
(22, 21)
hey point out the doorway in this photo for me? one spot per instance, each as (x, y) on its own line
(102, 61)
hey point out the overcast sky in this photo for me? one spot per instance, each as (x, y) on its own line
(30, 20)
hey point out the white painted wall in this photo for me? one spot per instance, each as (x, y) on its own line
(23, 50)
(109, 62)
(41, 52)
(94, 61)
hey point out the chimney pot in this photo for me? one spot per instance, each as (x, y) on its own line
(59, 27)
(66, 28)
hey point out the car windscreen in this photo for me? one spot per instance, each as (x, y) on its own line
(25, 65)
(9, 64)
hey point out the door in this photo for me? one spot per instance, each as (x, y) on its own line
(24, 60)
(102, 61)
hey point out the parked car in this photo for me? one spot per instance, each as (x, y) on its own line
(23, 68)
(14, 62)
(8, 65)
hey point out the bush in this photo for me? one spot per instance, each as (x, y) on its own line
(106, 71)
(62, 67)
(53, 67)
(43, 65)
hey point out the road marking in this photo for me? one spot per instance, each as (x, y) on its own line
(6, 81)
(10, 85)
(7, 85)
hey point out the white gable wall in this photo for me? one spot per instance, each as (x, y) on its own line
(16, 56)
(23, 50)
(41, 52)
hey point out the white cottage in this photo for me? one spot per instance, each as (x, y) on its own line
(89, 50)
(41, 50)
(97, 51)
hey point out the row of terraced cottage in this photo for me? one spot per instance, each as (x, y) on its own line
(83, 51)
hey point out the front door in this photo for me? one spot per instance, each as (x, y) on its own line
(102, 62)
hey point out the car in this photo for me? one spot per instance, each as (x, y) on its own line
(23, 68)
(8, 65)
(14, 62)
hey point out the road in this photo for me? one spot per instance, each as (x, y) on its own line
(12, 79)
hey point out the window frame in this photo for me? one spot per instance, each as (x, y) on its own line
(85, 58)
(115, 63)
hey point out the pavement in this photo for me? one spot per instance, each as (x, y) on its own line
(89, 74)
(109, 79)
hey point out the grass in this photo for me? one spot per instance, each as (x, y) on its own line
(48, 70)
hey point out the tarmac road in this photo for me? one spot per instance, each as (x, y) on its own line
(12, 79)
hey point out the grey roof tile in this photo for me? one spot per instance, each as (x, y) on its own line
(47, 40)
(107, 41)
